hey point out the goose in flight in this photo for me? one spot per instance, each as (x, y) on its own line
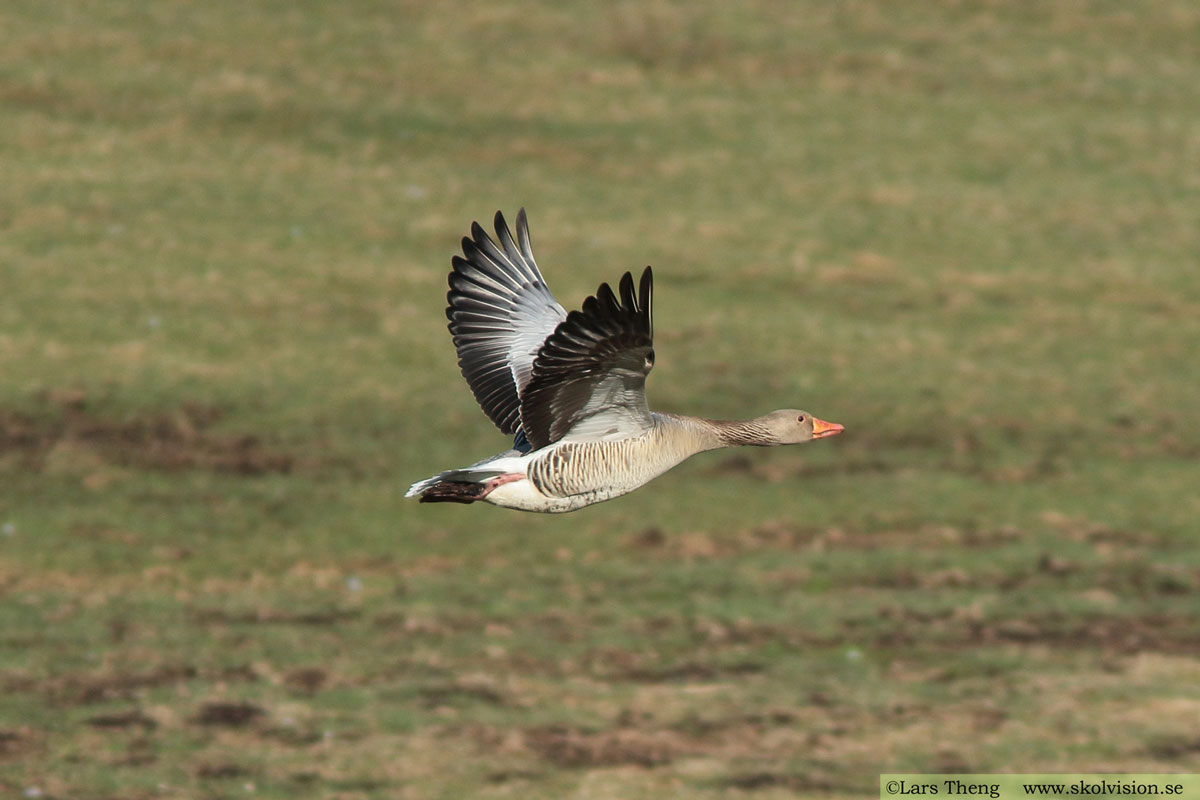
(570, 387)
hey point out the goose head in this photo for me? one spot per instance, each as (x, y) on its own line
(793, 426)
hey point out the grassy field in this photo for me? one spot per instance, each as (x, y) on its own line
(968, 231)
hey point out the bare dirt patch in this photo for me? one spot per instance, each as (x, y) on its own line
(1154, 632)
(89, 688)
(737, 726)
(688, 671)
(225, 714)
(272, 616)
(1172, 748)
(1159, 633)
(125, 719)
(443, 694)
(85, 689)
(570, 747)
(815, 782)
(179, 439)
(512, 775)
(306, 680)
(224, 769)
(19, 742)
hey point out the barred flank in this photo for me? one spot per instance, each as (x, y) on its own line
(613, 468)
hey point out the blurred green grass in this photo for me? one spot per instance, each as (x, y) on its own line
(968, 231)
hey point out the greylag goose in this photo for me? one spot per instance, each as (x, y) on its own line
(570, 387)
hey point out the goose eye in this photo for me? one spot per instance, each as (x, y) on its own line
(800, 418)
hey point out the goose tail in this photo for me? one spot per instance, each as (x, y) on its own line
(454, 486)
(454, 492)
(420, 486)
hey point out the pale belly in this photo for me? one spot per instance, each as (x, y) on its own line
(573, 475)
(524, 496)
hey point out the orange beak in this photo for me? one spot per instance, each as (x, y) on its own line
(821, 428)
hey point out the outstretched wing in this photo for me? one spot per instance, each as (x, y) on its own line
(589, 377)
(500, 313)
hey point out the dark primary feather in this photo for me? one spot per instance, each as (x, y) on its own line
(500, 313)
(593, 368)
